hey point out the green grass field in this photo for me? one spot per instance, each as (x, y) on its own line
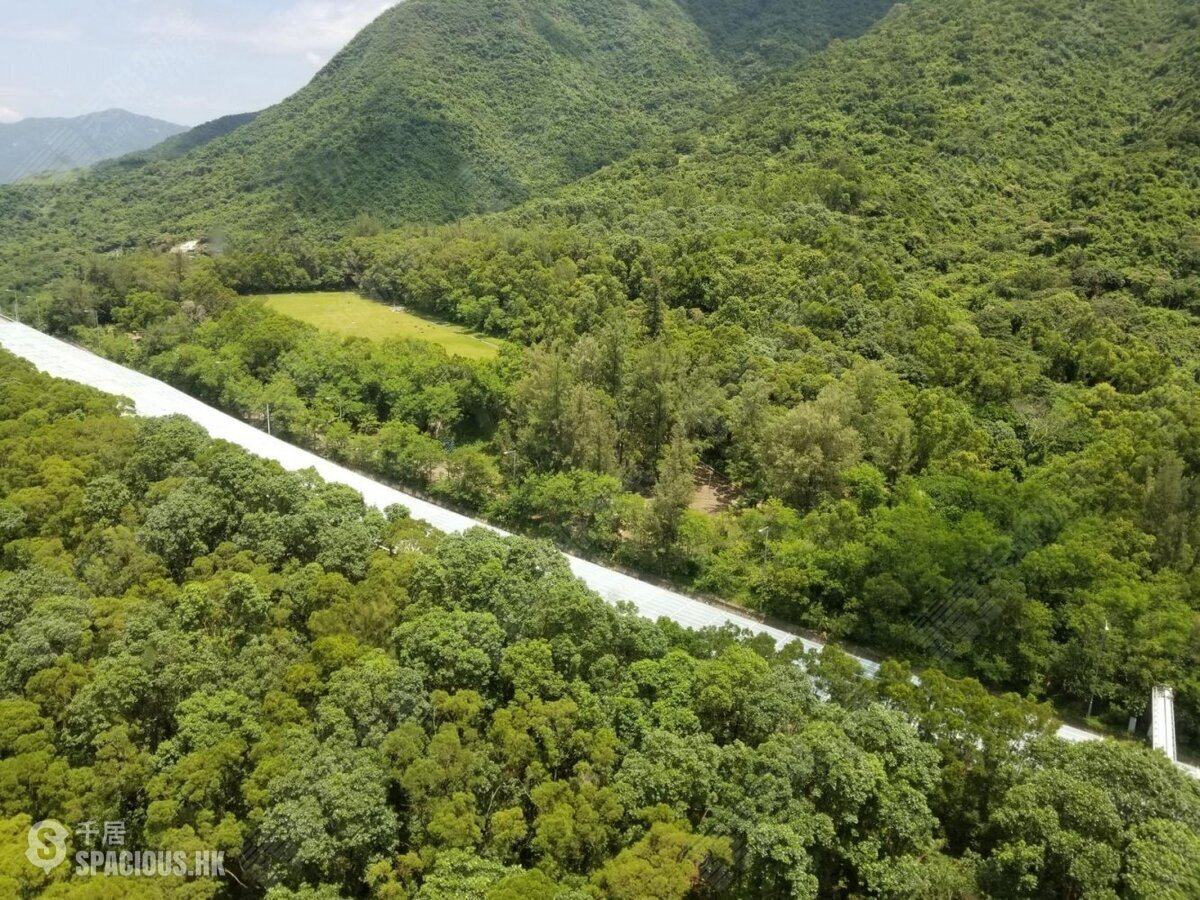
(355, 316)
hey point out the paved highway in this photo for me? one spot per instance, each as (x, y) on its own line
(154, 398)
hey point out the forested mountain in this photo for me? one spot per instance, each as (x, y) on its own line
(441, 108)
(222, 655)
(37, 146)
(923, 303)
(926, 302)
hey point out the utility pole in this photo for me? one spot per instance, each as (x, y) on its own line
(268, 419)
(1103, 643)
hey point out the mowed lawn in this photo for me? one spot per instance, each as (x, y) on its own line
(355, 316)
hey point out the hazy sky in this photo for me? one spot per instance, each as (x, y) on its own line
(180, 60)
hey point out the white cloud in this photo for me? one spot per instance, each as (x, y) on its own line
(319, 24)
(308, 27)
(9, 115)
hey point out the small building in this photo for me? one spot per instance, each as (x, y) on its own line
(187, 248)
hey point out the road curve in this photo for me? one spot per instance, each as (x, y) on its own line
(154, 398)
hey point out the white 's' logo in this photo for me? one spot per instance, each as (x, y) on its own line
(47, 844)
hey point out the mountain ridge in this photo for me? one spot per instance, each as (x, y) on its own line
(438, 109)
(39, 145)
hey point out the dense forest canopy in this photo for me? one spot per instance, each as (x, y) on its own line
(220, 654)
(917, 309)
(929, 323)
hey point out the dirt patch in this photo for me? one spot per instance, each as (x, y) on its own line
(714, 492)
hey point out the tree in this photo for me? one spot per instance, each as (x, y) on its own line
(575, 823)
(472, 477)
(452, 648)
(368, 698)
(647, 409)
(665, 863)
(803, 454)
(405, 454)
(672, 495)
(186, 523)
(1163, 860)
(542, 410)
(1055, 836)
(327, 803)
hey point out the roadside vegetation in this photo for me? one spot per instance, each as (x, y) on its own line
(221, 654)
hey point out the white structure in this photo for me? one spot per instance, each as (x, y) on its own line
(1162, 722)
(187, 248)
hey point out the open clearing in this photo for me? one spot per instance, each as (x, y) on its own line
(713, 492)
(354, 316)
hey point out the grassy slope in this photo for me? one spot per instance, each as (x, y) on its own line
(354, 316)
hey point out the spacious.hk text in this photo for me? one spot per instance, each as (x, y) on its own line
(196, 864)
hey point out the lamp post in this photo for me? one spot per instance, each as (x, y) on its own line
(765, 534)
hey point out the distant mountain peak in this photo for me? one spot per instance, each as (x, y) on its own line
(40, 145)
(444, 108)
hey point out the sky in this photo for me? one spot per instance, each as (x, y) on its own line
(179, 60)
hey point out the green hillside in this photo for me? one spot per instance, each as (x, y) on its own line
(926, 302)
(438, 109)
(191, 139)
(958, 133)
